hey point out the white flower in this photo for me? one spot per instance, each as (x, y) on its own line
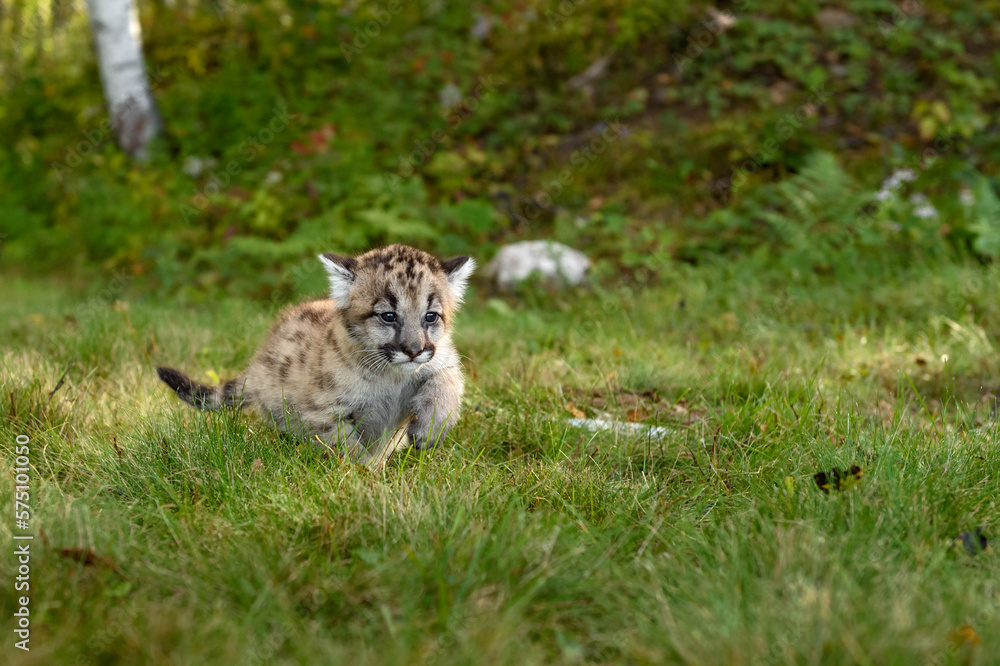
(193, 166)
(967, 198)
(898, 177)
(923, 208)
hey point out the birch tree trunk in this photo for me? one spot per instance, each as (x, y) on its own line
(118, 38)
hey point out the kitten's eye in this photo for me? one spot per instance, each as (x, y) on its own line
(388, 317)
(431, 317)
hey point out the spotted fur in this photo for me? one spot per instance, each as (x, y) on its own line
(367, 370)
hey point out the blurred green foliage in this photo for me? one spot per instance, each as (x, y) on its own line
(640, 132)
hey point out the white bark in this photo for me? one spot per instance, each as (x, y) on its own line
(118, 39)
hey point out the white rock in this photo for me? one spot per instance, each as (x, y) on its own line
(620, 427)
(553, 261)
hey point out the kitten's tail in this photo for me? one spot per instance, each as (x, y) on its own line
(227, 394)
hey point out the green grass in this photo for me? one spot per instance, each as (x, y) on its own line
(524, 541)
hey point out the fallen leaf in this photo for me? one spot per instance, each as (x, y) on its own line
(927, 128)
(86, 556)
(965, 635)
(941, 111)
(574, 411)
(628, 400)
(780, 92)
(640, 413)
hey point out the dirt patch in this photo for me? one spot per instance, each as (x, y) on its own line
(632, 406)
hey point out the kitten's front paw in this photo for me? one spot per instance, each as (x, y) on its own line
(421, 439)
(418, 442)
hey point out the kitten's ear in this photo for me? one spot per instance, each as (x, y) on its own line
(341, 271)
(458, 271)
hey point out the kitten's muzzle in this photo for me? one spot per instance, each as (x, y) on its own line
(410, 355)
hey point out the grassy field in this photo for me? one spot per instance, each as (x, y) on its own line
(177, 537)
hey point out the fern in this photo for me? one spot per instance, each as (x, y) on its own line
(814, 215)
(986, 225)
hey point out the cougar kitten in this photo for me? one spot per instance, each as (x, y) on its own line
(370, 369)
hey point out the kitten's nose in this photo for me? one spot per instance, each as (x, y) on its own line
(412, 353)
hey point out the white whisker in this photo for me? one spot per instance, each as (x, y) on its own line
(372, 361)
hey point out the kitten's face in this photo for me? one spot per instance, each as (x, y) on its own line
(397, 303)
